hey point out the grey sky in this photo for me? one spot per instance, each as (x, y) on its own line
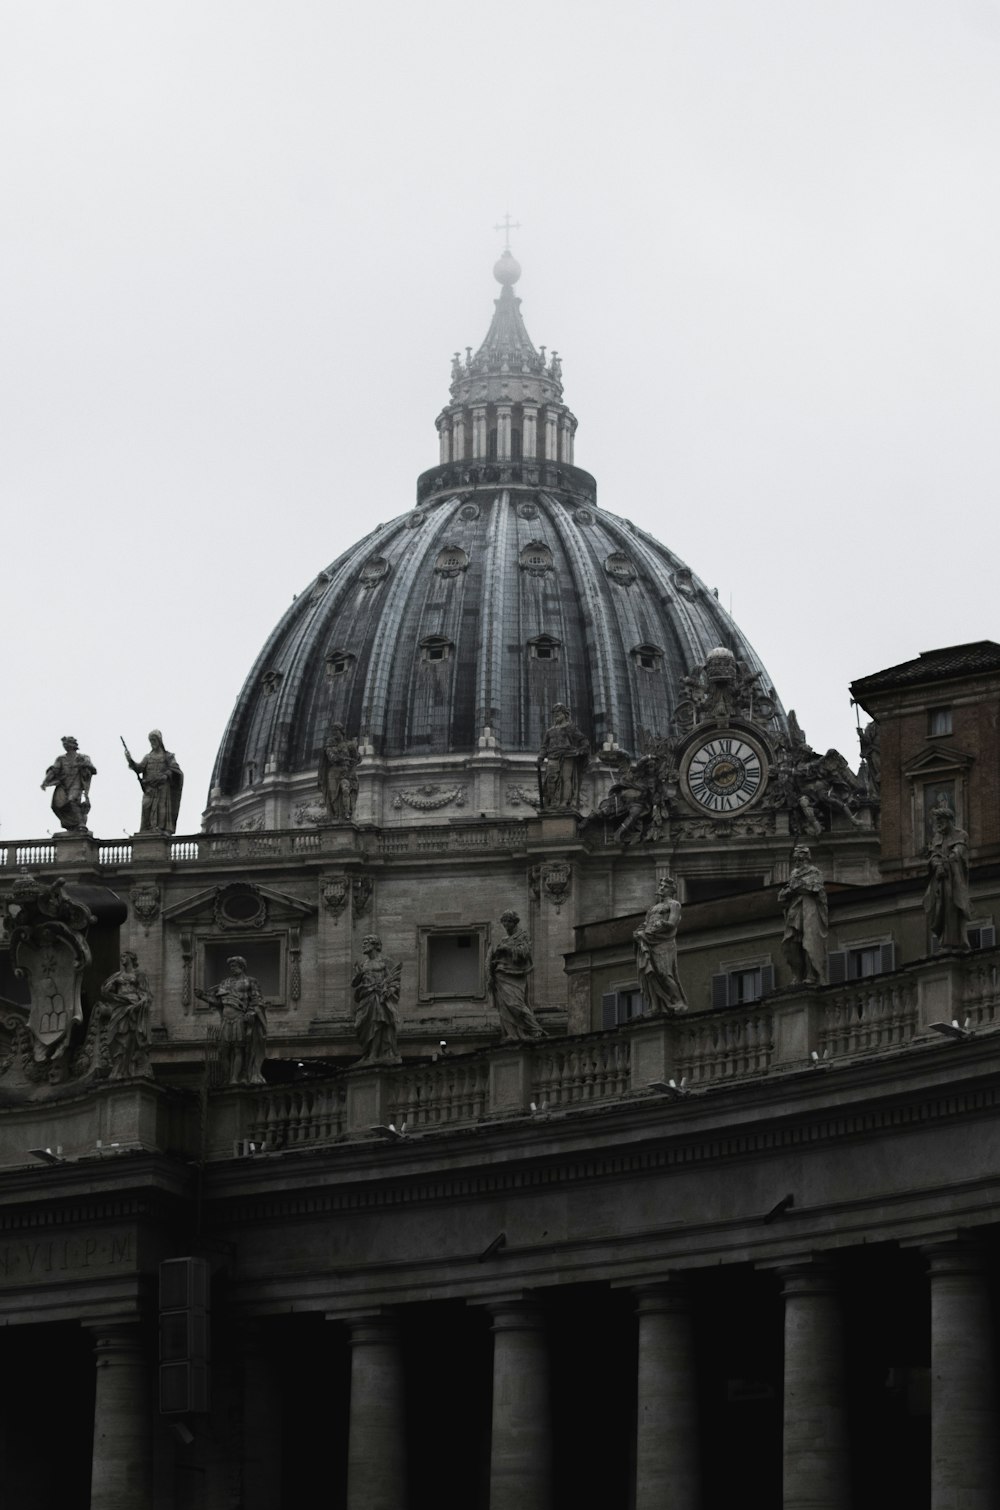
(241, 241)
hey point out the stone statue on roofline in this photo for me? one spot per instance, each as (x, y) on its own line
(162, 782)
(70, 774)
(508, 968)
(656, 953)
(946, 900)
(562, 760)
(803, 898)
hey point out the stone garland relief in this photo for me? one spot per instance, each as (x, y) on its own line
(428, 798)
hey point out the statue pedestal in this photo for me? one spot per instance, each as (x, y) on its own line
(152, 850)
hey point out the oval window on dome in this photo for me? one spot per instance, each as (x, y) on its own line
(536, 558)
(583, 516)
(415, 520)
(451, 561)
(374, 571)
(619, 568)
(272, 681)
(469, 511)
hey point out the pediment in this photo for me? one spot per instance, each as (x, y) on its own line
(236, 904)
(937, 760)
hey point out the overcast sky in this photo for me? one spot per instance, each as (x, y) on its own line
(241, 239)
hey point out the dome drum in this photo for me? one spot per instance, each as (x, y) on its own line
(443, 481)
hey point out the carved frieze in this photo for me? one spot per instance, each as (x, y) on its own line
(427, 798)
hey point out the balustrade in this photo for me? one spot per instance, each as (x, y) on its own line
(724, 1045)
(290, 1116)
(578, 1070)
(876, 1014)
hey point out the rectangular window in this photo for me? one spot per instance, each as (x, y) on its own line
(939, 721)
(860, 962)
(454, 964)
(745, 984)
(620, 1006)
(263, 957)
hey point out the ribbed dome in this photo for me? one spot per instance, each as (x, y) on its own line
(483, 609)
(451, 633)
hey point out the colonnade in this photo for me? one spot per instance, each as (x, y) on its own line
(817, 1470)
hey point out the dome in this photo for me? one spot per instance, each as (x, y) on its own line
(454, 630)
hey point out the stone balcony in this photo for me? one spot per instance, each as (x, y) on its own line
(794, 1033)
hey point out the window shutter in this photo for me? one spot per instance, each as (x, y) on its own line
(987, 936)
(935, 944)
(766, 979)
(609, 1009)
(888, 961)
(720, 990)
(836, 964)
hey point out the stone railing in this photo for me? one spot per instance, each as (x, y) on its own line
(875, 1013)
(724, 1045)
(451, 1090)
(578, 1070)
(278, 844)
(290, 1116)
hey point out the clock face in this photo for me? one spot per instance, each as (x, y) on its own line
(724, 773)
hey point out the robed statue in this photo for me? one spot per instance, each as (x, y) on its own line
(803, 942)
(70, 774)
(656, 953)
(946, 900)
(162, 782)
(124, 1010)
(562, 760)
(376, 992)
(338, 781)
(508, 969)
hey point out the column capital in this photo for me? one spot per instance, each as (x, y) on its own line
(668, 1296)
(516, 1314)
(962, 1256)
(819, 1276)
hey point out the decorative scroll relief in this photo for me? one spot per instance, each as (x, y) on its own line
(427, 798)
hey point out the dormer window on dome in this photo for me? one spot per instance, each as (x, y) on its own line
(648, 657)
(339, 662)
(544, 648)
(436, 648)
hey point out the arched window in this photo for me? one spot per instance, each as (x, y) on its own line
(515, 445)
(491, 446)
(436, 648)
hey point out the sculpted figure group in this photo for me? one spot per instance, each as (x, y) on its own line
(160, 777)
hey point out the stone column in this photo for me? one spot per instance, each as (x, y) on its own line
(478, 434)
(816, 1473)
(963, 1381)
(521, 1444)
(503, 432)
(121, 1476)
(529, 434)
(551, 436)
(444, 436)
(376, 1444)
(458, 437)
(565, 439)
(667, 1468)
